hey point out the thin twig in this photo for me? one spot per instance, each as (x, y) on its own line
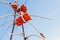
(23, 32)
(7, 15)
(34, 35)
(5, 3)
(13, 25)
(33, 27)
(41, 17)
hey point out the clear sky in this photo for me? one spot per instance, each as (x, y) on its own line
(45, 8)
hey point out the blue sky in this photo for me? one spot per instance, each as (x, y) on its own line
(45, 8)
